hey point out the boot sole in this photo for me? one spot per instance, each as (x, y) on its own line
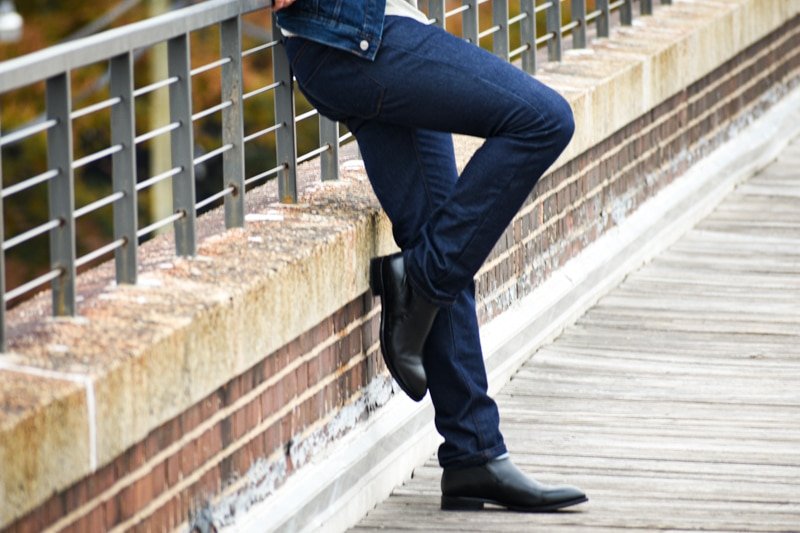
(376, 286)
(462, 503)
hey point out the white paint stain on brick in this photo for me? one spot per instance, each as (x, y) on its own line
(267, 474)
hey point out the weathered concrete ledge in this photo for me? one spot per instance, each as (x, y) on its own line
(75, 394)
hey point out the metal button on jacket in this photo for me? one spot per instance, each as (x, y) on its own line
(364, 45)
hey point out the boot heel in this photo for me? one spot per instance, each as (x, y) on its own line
(375, 277)
(458, 503)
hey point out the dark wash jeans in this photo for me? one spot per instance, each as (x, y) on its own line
(423, 85)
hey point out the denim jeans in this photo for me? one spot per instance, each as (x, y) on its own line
(423, 85)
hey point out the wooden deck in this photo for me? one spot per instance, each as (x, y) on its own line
(675, 401)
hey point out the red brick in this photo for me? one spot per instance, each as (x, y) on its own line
(33, 522)
(159, 478)
(173, 469)
(111, 513)
(188, 458)
(52, 510)
(95, 519)
(81, 525)
(302, 377)
(268, 402)
(339, 320)
(127, 503)
(239, 424)
(75, 496)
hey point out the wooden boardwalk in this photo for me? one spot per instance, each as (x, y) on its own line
(675, 401)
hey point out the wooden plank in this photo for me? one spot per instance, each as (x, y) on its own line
(675, 401)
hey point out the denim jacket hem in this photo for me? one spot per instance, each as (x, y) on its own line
(355, 26)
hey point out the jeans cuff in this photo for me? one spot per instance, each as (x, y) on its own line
(419, 287)
(477, 459)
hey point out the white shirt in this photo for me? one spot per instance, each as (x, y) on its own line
(403, 8)
(400, 8)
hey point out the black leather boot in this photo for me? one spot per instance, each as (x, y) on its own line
(499, 482)
(406, 320)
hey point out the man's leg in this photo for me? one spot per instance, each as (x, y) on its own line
(424, 77)
(465, 414)
(415, 172)
(420, 171)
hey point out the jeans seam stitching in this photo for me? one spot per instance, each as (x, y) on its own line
(421, 167)
(478, 434)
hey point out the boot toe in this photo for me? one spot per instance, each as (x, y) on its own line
(499, 482)
(562, 494)
(413, 381)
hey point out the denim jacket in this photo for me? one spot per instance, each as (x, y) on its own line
(352, 25)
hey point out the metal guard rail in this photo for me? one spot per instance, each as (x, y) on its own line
(116, 47)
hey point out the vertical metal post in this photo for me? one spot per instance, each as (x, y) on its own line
(646, 7)
(61, 193)
(233, 122)
(2, 264)
(180, 110)
(436, 11)
(553, 20)
(579, 15)
(469, 21)
(500, 37)
(527, 35)
(604, 20)
(329, 160)
(286, 139)
(626, 13)
(124, 173)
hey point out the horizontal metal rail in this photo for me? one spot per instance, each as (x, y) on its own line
(98, 204)
(32, 285)
(147, 89)
(31, 234)
(82, 162)
(95, 108)
(211, 155)
(511, 23)
(313, 153)
(24, 133)
(211, 110)
(211, 66)
(44, 177)
(307, 114)
(264, 175)
(260, 48)
(100, 252)
(214, 197)
(261, 90)
(157, 132)
(155, 226)
(261, 133)
(158, 178)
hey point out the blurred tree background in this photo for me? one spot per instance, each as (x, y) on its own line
(50, 22)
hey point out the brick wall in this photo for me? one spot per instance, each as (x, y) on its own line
(241, 441)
